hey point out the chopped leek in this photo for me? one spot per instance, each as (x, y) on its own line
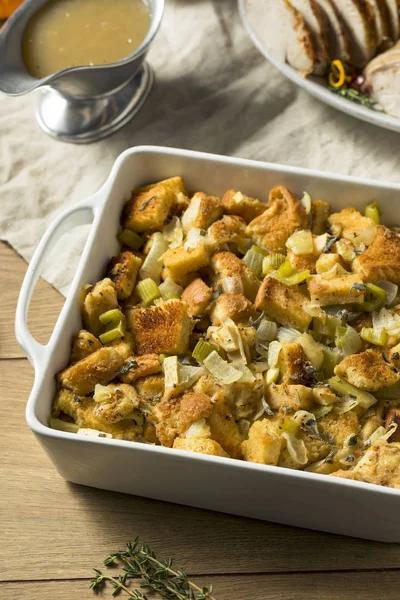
(345, 406)
(173, 233)
(198, 429)
(325, 327)
(130, 239)
(391, 290)
(289, 424)
(381, 434)
(152, 265)
(378, 337)
(331, 359)
(273, 353)
(365, 399)
(375, 298)
(113, 334)
(287, 334)
(372, 212)
(296, 448)
(285, 270)
(266, 331)
(220, 369)
(148, 291)
(306, 202)
(111, 317)
(301, 242)
(254, 259)
(295, 278)
(63, 426)
(348, 340)
(271, 376)
(346, 250)
(169, 289)
(273, 261)
(321, 411)
(202, 350)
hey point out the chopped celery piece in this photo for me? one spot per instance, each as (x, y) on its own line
(378, 337)
(111, 317)
(290, 425)
(375, 298)
(391, 392)
(148, 291)
(285, 270)
(348, 340)
(273, 353)
(202, 350)
(301, 242)
(271, 376)
(326, 328)
(287, 334)
(296, 278)
(113, 334)
(331, 359)
(365, 399)
(321, 411)
(254, 259)
(259, 250)
(220, 369)
(63, 426)
(273, 261)
(152, 266)
(306, 202)
(130, 238)
(372, 212)
(169, 289)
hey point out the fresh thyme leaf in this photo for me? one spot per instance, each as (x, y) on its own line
(331, 240)
(145, 203)
(139, 562)
(132, 364)
(354, 96)
(257, 322)
(360, 287)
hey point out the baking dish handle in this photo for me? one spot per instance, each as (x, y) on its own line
(80, 214)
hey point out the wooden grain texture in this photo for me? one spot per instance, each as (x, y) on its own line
(52, 530)
(323, 586)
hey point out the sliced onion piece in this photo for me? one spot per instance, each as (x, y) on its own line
(247, 375)
(296, 448)
(173, 233)
(312, 350)
(271, 376)
(350, 342)
(266, 331)
(301, 242)
(306, 202)
(152, 265)
(273, 353)
(391, 290)
(365, 399)
(220, 369)
(102, 393)
(287, 334)
(381, 434)
(198, 429)
(61, 425)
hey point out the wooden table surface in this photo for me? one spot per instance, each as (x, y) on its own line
(52, 532)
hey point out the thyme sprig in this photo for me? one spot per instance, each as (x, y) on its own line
(138, 561)
(355, 96)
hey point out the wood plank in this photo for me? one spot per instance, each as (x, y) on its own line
(329, 586)
(53, 529)
(45, 306)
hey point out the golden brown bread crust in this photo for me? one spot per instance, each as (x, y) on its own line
(174, 416)
(283, 396)
(294, 368)
(123, 272)
(348, 223)
(180, 262)
(233, 275)
(161, 329)
(236, 203)
(150, 387)
(283, 303)
(326, 262)
(142, 366)
(228, 230)
(263, 445)
(382, 259)
(202, 445)
(223, 428)
(393, 416)
(148, 210)
(320, 211)
(84, 344)
(232, 306)
(301, 262)
(101, 297)
(367, 371)
(337, 290)
(380, 465)
(202, 211)
(284, 215)
(198, 296)
(99, 367)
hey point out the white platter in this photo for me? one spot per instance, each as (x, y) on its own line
(316, 86)
(227, 485)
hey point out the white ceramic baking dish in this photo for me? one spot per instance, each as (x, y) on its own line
(263, 492)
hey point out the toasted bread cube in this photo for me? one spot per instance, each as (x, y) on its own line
(228, 230)
(101, 298)
(319, 215)
(198, 296)
(231, 306)
(263, 446)
(223, 428)
(234, 275)
(393, 416)
(367, 371)
(301, 262)
(99, 367)
(201, 212)
(284, 215)
(380, 465)
(326, 262)
(284, 396)
(161, 329)
(136, 367)
(348, 223)
(150, 387)
(201, 445)
(148, 209)
(180, 262)
(294, 368)
(174, 416)
(236, 203)
(337, 290)
(283, 304)
(381, 260)
(84, 344)
(394, 355)
(123, 272)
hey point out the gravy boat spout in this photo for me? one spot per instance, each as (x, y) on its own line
(79, 104)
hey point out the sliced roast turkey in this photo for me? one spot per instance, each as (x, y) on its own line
(360, 22)
(393, 14)
(382, 77)
(316, 22)
(379, 8)
(339, 38)
(281, 28)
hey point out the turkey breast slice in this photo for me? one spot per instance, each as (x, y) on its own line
(382, 77)
(339, 38)
(316, 23)
(281, 28)
(360, 21)
(379, 8)
(393, 14)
